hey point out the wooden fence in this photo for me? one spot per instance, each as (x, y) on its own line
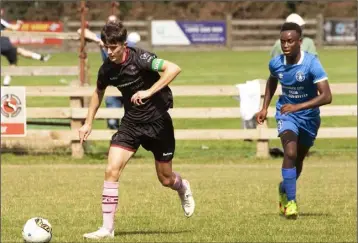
(77, 113)
(259, 33)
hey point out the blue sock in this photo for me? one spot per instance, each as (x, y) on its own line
(289, 183)
(282, 189)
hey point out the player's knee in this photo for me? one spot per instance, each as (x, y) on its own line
(291, 154)
(111, 173)
(165, 180)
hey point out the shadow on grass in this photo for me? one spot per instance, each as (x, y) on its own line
(314, 215)
(141, 232)
(301, 214)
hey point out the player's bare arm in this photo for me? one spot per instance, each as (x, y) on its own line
(271, 86)
(91, 36)
(324, 98)
(95, 102)
(13, 27)
(169, 72)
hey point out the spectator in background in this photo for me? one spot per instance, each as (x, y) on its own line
(132, 39)
(307, 43)
(10, 51)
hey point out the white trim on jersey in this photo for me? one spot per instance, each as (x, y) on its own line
(320, 80)
(4, 23)
(302, 57)
(299, 61)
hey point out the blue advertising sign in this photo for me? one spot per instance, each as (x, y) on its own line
(204, 32)
(343, 31)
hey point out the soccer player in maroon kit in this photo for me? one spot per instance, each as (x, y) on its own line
(146, 120)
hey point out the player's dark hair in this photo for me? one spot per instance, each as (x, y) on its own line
(114, 33)
(292, 26)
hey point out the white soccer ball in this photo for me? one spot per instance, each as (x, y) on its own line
(37, 230)
(133, 37)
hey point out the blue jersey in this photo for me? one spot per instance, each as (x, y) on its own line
(104, 53)
(298, 82)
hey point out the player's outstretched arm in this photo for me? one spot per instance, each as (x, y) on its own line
(324, 97)
(96, 100)
(271, 86)
(90, 36)
(9, 26)
(170, 71)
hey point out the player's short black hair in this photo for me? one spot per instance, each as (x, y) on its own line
(292, 26)
(114, 32)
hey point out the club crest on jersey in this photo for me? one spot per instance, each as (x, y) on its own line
(279, 125)
(280, 75)
(144, 55)
(300, 76)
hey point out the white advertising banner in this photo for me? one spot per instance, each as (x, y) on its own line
(171, 32)
(167, 32)
(13, 111)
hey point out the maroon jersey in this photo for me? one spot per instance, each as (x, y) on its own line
(134, 74)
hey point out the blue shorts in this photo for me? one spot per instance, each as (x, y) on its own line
(306, 130)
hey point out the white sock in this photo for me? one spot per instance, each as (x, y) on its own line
(7, 80)
(36, 56)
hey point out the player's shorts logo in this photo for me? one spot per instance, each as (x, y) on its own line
(300, 76)
(279, 125)
(10, 105)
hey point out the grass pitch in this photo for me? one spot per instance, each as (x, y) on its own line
(235, 193)
(235, 202)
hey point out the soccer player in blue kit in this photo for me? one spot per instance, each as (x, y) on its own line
(304, 89)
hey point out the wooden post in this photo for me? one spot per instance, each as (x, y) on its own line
(319, 30)
(77, 148)
(84, 68)
(83, 54)
(65, 44)
(114, 6)
(149, 29)
(229, 31)
(77, 102)
(262, 145)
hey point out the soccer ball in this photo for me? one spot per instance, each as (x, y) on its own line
(37, 230)
(133, 38)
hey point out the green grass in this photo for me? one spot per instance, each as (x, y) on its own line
(205, 152)
(235, 192)
(202, 101)
(220, 123)
(199, 68)
(234, 202)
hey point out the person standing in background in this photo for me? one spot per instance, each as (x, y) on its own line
(307, 43)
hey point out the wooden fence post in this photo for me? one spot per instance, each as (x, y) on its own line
(262, 145)
(319, 30)
(65, 44)
(77, 148)
(228, 31)
(149, 36)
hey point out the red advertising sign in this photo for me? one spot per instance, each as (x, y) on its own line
(38, 26)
